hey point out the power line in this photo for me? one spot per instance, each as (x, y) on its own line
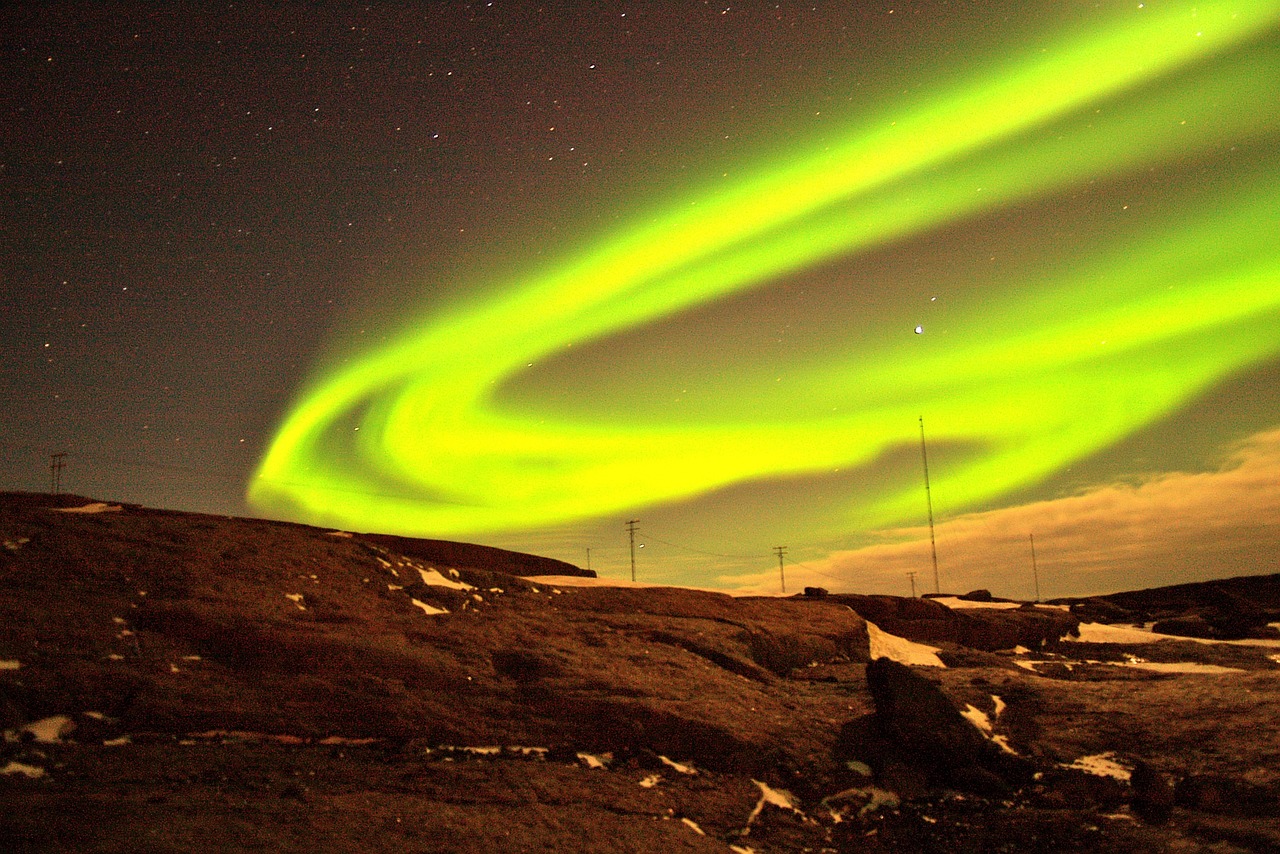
(649, 536)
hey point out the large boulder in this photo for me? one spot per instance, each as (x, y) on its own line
(927, 731)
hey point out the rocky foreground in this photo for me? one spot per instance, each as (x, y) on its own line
(174, 681)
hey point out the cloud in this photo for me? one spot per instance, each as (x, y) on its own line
(1165, 529)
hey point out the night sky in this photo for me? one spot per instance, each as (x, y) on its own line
(516, 273)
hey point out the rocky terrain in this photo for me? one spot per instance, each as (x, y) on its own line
(174, 681)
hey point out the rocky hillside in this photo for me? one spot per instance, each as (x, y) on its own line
(172, 680)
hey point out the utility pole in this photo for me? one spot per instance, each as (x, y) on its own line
(631, 530)
(588, 558)
(780, 551)
(57, 462)
(912, 576)
(1035, 571)
(928, 498)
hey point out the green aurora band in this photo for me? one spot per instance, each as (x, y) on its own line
(1125, 332)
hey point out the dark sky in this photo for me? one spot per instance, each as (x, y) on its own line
(213, 217)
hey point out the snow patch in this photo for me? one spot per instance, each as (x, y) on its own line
(296, 598)
(956, 603)
(688, 822)
(117, 742)
(978, 718)
(10, 665)
(651, 781)
(50, 730)
(593, 761)
(338, 534)
(1104, 633)
(95, 507)
(901, 650)
(427, 609)
(679, 766)
(1102, 765)
(29, 771)
(780, 798)
(433, 578)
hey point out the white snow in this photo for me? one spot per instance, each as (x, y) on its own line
(296, 598)
(1101, 765)
(1104, 633)
(955, 602)
(30, 771)
(427, 609)
(491, 750)
(651, 781)
(95, 507)
(594, 761)
(433, 578)
(777, 797)
(679, 766)
(50, 730)
(901, 650)
(117, 742)
(692, 824)
(10, 665)
(338, 534)
(978, 718)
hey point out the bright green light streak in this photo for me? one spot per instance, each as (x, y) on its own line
(434, 455)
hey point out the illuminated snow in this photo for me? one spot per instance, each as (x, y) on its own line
(95, 507)
(427, 609)
(901, 650)
(1101, 765)
(433, 578)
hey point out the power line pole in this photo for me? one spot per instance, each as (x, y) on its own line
(57, 462)
(631, 530)
(588, 558)
(928, 498)
(782, 574)
(912, 576)
(1035, 570)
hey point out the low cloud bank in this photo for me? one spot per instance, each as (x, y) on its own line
(1167, 529)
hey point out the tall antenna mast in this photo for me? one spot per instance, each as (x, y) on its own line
(782, 574)
(928, 498)
(1035, 570)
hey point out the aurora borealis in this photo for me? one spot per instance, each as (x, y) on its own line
(1030, 376)
(514, 274)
